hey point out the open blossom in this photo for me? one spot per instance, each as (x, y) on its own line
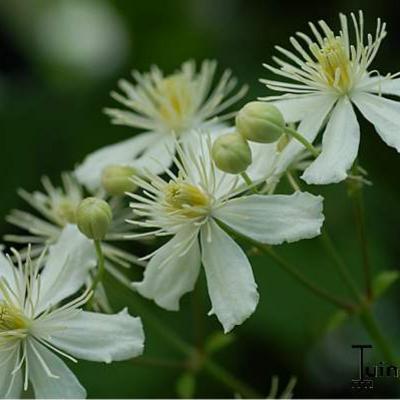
(191, 206)
(164, 107)
(328, 76)
(56, 208)
(38, 325)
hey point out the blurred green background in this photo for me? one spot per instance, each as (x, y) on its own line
(59, 59)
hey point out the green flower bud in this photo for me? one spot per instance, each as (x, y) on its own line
(231, 153)
(94, 217)
(260, 122)
(116, 179)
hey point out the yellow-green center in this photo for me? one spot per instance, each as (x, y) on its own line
(175, 101)
(11, 319)
(186, 199)
(334, 62)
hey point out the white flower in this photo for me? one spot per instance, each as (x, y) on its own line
(191, 206)
(37, 324)
(57, 207)
(330, 74)
(164, 107)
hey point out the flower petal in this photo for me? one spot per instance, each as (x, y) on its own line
(380, 85)
(311, 123)
(264, 160)
(89, 172)
(274, 219)
(339, 147)
(10, 385)
(172, 271)
(157, 157)
(384, 114)
(6, 271)
(296, 108)
(230, 280)
(63, 384)
(100, 337)
(67, 267)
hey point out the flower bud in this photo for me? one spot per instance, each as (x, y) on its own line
(116, 179)
(93, 218)
(231, 153)
(260, 122)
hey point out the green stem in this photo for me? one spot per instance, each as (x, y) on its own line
(248, 181)
(186, 349)
(293, 271)
(298, 136)
(100, 270)
(377, 336)
(341, 266)
(322, 293)
(358, 204)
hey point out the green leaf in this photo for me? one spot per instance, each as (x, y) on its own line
(186, 385)
(218, 341)
(383, 282)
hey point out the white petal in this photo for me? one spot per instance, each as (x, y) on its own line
(89, 172)
(172, 271)
(67, 267)
(8, 362)
(311, 123)
(295, 109)
(379, 85)
(66, 386)
(274, 219)
(264, 160)
(384, 114)
(6, 271)
(158, 156)
(230, 280)
(100, 337)
(339, 147)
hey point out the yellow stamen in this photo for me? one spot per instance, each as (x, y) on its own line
(176, 101)
(334, 62)
(11, 318)
(186, 199)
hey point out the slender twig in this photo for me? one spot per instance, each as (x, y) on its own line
(293, 271)
(159, 362)
(299, 137)
(248, 181)
(358, 206)
(378, 337)
(340, 265)
(213, 369)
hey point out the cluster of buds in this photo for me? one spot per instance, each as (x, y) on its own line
(258, 122)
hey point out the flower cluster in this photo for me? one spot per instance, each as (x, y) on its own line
(212, 186)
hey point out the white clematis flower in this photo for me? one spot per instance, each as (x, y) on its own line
(35, 329)
(329, 75)
(189, 207)
(165, 107)
(57, 207)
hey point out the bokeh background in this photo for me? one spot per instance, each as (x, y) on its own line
(59, 59)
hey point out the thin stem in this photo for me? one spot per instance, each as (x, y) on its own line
(210, 366)
(341, 266)
(308, 284)
(292, 181)
(159, 362)
(248, 181)
(358, 205)
(293, 271)
(377, 336)
(298, 136)
(100, 269)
